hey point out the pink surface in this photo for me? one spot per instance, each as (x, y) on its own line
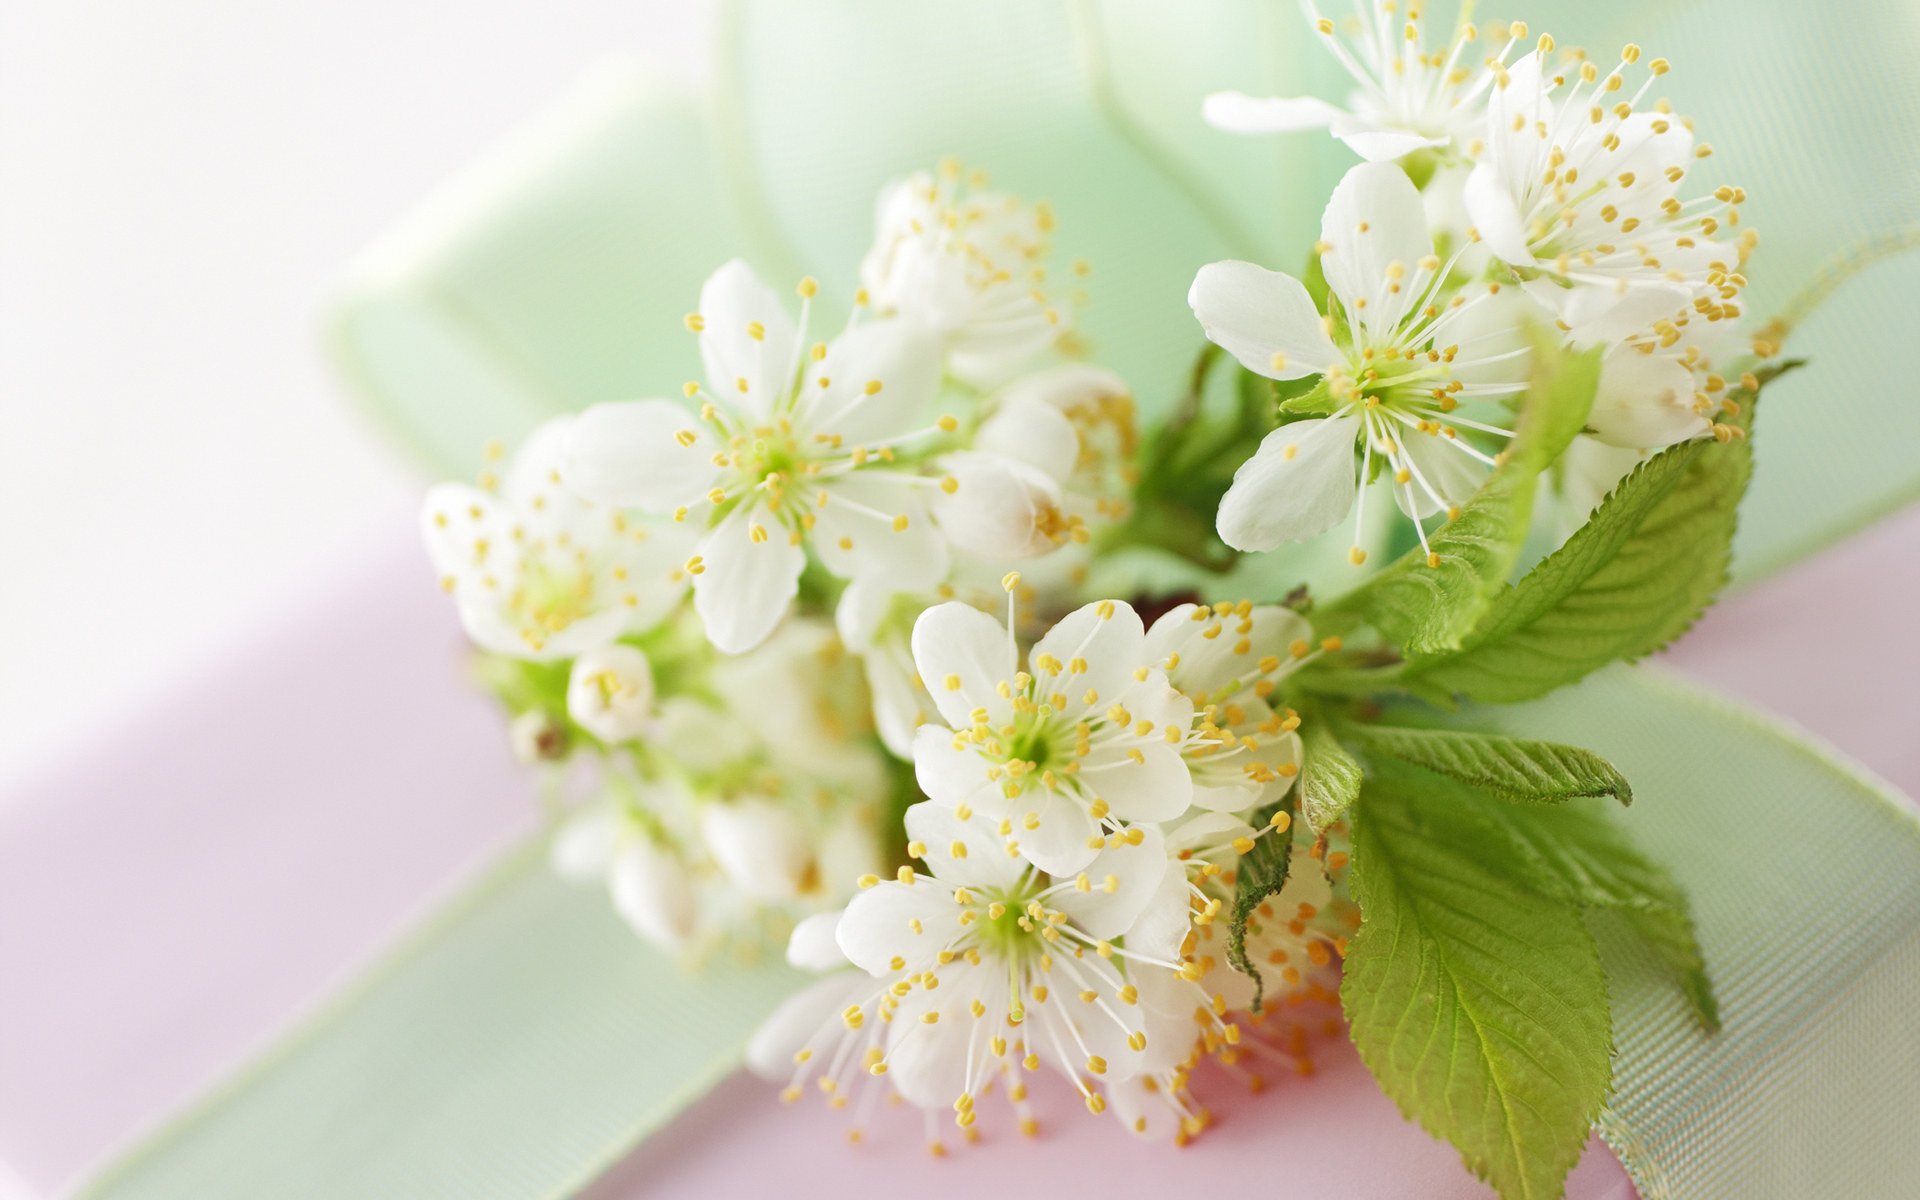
(172, 902)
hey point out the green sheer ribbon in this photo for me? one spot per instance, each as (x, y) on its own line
(523, 1040)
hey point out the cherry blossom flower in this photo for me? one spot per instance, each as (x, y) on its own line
(1085, 740)
(1408, 97)
(1396, 355)
(789, 449)
(969, 264)
(986, 967)
(1579, 191)
(539, 573)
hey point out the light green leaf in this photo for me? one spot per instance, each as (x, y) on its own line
(1329, 778)
(1633, 578)
(1583, 858)
(1262, 872)
(1481, 1009)
(1512, 769)
(1427, 605)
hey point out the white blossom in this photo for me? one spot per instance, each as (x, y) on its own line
(1084, 741)
(539, 573)
(1579, 190)
(1408, 97)
(968, 264)
(986, 966)
(790, 448)
(1396, 355)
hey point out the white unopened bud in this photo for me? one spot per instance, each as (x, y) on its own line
(1000, 510)
(653, 893)
(758, 846)
(537, 737)
(610, 693)
(1028, 429)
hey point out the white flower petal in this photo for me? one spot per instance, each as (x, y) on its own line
(650, 454)
(1379, 143)
(902, 357)
(1298, 484)
(758, 846)
(1438, 466)
(900, 705)
(1496, 216)
(1059, 833)
(746, 585)
(1596, 314)
(1097, 647)
(1164, 921)
(1156, 788)
(949, 774)
(1265, 319)
(1033, 432)
(928, 1062)
(1133, 873)
(859, 533)
(910, 922)
(1237, 112)
(1644, 401)
(1213, 666)
(814, 945)
(1000, 510)
(653, 892)
(1374, 222)
(1206, 831)
(463, 529)
(734, 303)
(807, 1020)
(983, 860)
(964, 656)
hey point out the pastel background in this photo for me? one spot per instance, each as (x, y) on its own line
(193, 510)
(180, 184)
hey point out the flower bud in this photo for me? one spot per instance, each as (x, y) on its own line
(610, 693)
(537, 737)
(1029, 429)
(653, 892)
(758, 846)
(1000, 510)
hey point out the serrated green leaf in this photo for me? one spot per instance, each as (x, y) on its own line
(1633, 578)
(1512, 769)
(1586, 859)
(1262, 872)
(1426, 606)
(1480, 1008)
(1329, 777)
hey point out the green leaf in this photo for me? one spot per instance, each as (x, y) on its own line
(1480, 1008)
(1512, 769)
(1583, 858)
(1632, 579)
(1329, 777)
(1262, 872)
(1425, 606)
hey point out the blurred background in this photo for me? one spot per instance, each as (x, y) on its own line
(180, 184)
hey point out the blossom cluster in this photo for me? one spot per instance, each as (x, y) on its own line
(1548, 189)
(633, 574)
(811, 646)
